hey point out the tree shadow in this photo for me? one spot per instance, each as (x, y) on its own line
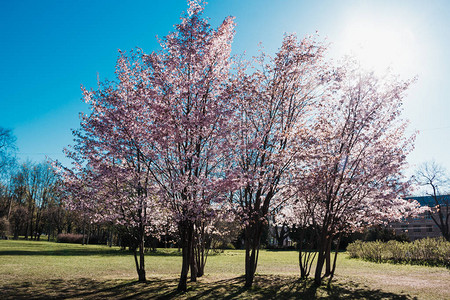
(281, 287)
(85, 288)
(265, 287)
(65, 252)
(83, 252)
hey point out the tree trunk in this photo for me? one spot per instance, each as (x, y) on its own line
(83, 242)
(27, 226)
(38, 223)
(16, 230)
(26, 230)
(328, 258)
(31, 223)
(10, 201)
(200, 250)
(252, 243)
(303, 273)
(141, 273)
(335, 259)
(320, 259)
(305, 256)
(186, 232)
(141, 258)
(88, 233)
(140, 263)
(110, 238)
(69, 227)
(319, 267)
(193, 260)
(201, 260)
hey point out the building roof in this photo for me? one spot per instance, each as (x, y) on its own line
(429, 200)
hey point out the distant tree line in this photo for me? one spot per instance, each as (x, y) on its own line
(33, 204)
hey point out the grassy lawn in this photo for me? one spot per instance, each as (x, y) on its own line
(45, 270)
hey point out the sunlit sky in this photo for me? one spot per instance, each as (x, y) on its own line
(50, 48)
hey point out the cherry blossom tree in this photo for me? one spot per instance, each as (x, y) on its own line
(155, 140)
(272, 108)
(189, 119)
(111, 179)
(353, 174)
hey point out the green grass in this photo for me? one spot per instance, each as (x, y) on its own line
(43, 270)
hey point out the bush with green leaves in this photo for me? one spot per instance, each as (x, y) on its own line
(432, 252)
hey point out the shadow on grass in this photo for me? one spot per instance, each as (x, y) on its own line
(65, 252)
(84, 252)
(266, 287)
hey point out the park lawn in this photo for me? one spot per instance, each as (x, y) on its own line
(30, 269)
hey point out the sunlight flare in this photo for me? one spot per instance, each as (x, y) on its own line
(379, 45)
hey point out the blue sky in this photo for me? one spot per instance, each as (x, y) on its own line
(50, 48)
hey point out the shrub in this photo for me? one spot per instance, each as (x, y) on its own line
(397, 250)
(78, 239)
(433, 252)
(69, 238)
(229, 246)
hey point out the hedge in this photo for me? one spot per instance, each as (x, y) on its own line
(431, 252)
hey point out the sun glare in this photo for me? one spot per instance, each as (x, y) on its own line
(380, 45)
